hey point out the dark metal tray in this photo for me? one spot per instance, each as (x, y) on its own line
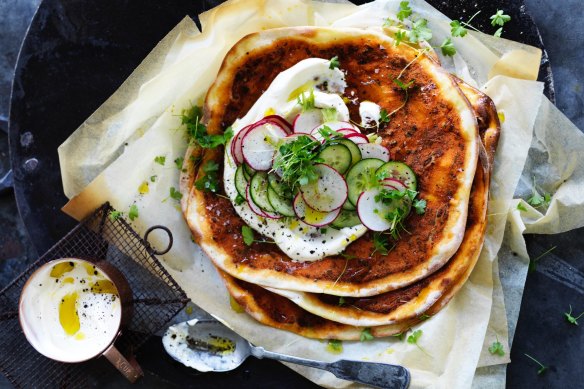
(77, 53)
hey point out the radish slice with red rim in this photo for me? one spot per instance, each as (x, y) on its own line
(328, 193)
(372, 213)
(373, 150)
(259, 144)
(236, 151)
(311, 216)
(305, 122)
(397, 184)
(279, 120)
(357, 138)
(347, 131)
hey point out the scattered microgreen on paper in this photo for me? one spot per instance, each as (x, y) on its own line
(542, 367)
(115, 215)
(133, 212)
(496, 348)
(571, 319)
(533, 262)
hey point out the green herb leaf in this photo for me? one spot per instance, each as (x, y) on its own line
(542, 367)
(533, 262)
(497, 349)
(404, 10)
(366, 335)
(571, 319)
(400, 336)
(133, 213)
(499, 19)
(420, 31)
(161, 159)
(248, 237)
(400, 36)
(498, 32)
(419, 206)
(210, 181)
(175, 194)
(383, 116)
(115, 215)
(341, 301)
(457, 29)
(296, 160)
(380, 244)
(334, 62)
(521, 207)
(424, 317)
(537, 200)
(239, 199)
(153, 178)
(448, 48)
(179, 163)
(196, 132)
(336, 345)
(329, 114)
(413, 338)
(306, 102)
(403, 86)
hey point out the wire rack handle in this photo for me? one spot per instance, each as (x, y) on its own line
(170, 239)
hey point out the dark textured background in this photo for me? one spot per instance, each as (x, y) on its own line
(559, 280)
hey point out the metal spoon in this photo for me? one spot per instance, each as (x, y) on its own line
(207, 345)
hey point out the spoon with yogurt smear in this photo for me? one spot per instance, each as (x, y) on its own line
(208, 345)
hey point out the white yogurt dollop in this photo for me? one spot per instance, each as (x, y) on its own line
(297, 240)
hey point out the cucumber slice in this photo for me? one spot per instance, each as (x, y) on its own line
(258, 189)
(275, 183)
(336, 156)
(240, 181)
(361, 176)
(347, 206)
(353, 148)
(280, 204)
(346, 219)
(248, 171)
(399, 171)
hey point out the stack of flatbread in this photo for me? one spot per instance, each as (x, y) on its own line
(447, 132)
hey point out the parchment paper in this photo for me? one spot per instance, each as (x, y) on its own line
(143, 114)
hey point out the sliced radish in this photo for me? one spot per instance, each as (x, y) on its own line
(397, 184)
(279, 120)
(259, 144)
(373, 150)
(357, 138)
(311, 216)
(236, 145)
(305, 122)
(338, 125)
(328, 193)
(257, 210)
(372, 213)
(347, 131)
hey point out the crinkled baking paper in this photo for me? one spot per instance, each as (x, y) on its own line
(112, 154)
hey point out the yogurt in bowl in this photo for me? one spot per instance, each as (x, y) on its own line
(70, 310)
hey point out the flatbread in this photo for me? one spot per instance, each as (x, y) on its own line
(435, 133)
(313, 317)
(416, 299)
